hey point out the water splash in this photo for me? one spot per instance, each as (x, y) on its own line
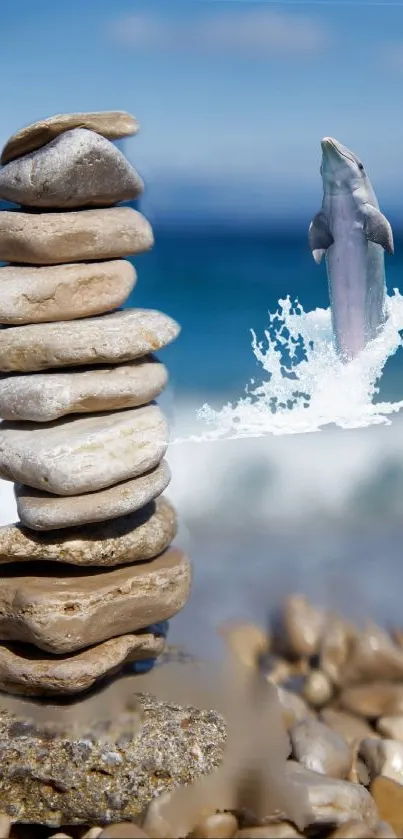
(306, 386)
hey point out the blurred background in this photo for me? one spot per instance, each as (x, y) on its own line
(233, 98)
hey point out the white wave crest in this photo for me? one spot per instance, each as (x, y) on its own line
(304, 395)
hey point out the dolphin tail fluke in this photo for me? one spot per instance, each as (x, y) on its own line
(377, 228)
(319, 236)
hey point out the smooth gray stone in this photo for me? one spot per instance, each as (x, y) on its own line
(63, 292)
(43, 397)
(79, 168)
(74, 456)
(41, 511)
(55, 238)
(107, 339)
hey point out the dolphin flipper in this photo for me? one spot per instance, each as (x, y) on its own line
(319, 236)
(377, 228)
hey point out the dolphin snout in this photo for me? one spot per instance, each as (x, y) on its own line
(329, 143)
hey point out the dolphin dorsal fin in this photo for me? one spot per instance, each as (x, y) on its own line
(377, 228)
(319, 236)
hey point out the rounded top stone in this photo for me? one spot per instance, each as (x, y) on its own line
(79, 168)
(110, 124)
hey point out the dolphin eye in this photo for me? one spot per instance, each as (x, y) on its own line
(360, 166)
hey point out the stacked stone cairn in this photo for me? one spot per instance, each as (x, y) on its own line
(88, 574)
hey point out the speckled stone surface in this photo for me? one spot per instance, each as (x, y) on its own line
(79, 168)
(41, 511)
(43, 397)
(74, 456)
(82, 780)
(110, 124)
(118, 337)
(63, 292)
(132, 538)
(55, 238)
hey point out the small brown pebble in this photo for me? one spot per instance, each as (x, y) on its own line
(5, 826)
(388, 797)
(374, 657)
(349, 726)
(125, 830)
(318, 689)
(279, 830)
(372, 700)
(217, 826)
(352, 830)
(248, 641)
(302, 625)
(337, 639)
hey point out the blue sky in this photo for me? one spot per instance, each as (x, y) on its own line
(233, 96)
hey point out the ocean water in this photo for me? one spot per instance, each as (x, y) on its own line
(309, 498)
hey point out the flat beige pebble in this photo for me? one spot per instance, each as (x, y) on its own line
(217, 826)
(125, 830)
(63, 292)
(372, 700)
(110, 124)
(55, 238)
(44, 397)
(92, 833)
(66, 609)
(137, 537)
(79, 168)
(75, 456)
(108, 339)
(29, 672)
(41, 511)
(373, 657)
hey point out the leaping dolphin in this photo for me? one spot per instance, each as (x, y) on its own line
(353, 233)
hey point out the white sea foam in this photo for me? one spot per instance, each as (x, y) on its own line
(299, 396)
